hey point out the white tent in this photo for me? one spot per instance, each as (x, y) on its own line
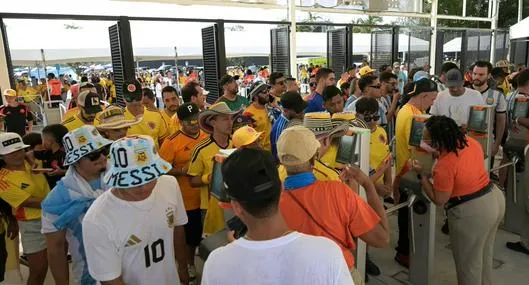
(455, 44)
(520, 30)
(156, 41)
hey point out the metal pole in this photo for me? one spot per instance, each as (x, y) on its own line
(433, 38)
(177, 76)
(493, 27)
(520, 10)
(293, 55)
(464, 8)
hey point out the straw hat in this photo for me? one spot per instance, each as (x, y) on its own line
(114, 117)
(321, 125)
(220, 108)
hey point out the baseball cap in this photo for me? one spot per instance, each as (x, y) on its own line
(423, 85)
(365, 70)
(454, 78)
(81, 142)
(11, 142)
(245, 135)
(132, 91)
(296, 145)
(254, 163)
(135, 163)
(10, 93)
(293, 101)
(90, 102)
(187, 111)
(420, 75)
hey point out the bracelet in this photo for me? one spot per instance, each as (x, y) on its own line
(516, 120)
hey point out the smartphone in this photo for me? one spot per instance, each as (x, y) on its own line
(347, 150)
(237, 226)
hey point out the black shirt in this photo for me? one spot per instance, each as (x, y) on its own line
(51, 160)
(16, 118)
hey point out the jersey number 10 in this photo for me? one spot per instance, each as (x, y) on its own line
(154, 253)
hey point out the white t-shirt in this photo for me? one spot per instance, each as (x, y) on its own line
(135, 239)
(295, 258)
(495, 97)
(456, 107)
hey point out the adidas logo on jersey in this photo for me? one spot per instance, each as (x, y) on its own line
(133, 240)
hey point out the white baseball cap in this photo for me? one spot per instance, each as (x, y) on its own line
(81, 142)
(134, 162)
(11, 142)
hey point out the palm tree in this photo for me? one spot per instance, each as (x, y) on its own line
(367, 24)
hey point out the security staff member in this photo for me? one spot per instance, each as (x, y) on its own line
(461, 184)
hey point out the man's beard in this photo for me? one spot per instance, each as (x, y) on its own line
(478, 83)
(262, 101)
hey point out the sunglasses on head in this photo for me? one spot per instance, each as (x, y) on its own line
(370, 118)
(95, 155)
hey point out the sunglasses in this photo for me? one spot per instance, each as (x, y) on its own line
(375, 86)
(95, 155)
(368, 119)
(312, 84)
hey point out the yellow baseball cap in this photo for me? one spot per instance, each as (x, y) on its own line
(10, 92)
(245, 136)
(365, 70)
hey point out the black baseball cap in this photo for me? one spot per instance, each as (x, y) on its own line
(227, 79)
(293, 101)
(187, 111)
(132, 90)
(257, 164)
(423, 85)
(90, 102)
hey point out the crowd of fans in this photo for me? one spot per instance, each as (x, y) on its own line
(126, 190)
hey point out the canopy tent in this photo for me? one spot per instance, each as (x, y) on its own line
(238, 44)
(455, 44)
(83, 41)
(520, 30)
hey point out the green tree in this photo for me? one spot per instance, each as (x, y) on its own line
(313, 28)
(367, 23)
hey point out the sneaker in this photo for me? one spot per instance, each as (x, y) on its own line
(403, 260)
(191, 269)
(517, 246)
(444, 228)
(372, 268)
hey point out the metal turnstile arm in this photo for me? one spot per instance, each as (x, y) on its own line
(410, 202)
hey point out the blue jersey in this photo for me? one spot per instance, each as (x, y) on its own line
(315, 104)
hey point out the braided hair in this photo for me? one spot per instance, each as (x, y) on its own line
(445, 134)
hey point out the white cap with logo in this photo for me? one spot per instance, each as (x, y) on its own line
(11, 142)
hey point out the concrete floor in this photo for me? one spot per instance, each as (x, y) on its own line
(510, 268)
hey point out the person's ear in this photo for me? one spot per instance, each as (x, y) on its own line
(236, 208)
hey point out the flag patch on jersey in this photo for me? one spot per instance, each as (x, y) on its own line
(133, 240)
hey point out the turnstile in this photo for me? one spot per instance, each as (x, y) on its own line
(422, 212)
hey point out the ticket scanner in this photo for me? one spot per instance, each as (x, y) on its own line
(422, 211)
(516, 148)
(353, 148)
(480, 127)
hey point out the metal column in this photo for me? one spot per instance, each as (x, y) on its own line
(214, 55)
(433, 39)
(122, 56)
(7, 80)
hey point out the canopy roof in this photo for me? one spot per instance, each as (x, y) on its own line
(520, 30)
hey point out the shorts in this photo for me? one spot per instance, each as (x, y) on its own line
(32, 239)
(193, 228)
